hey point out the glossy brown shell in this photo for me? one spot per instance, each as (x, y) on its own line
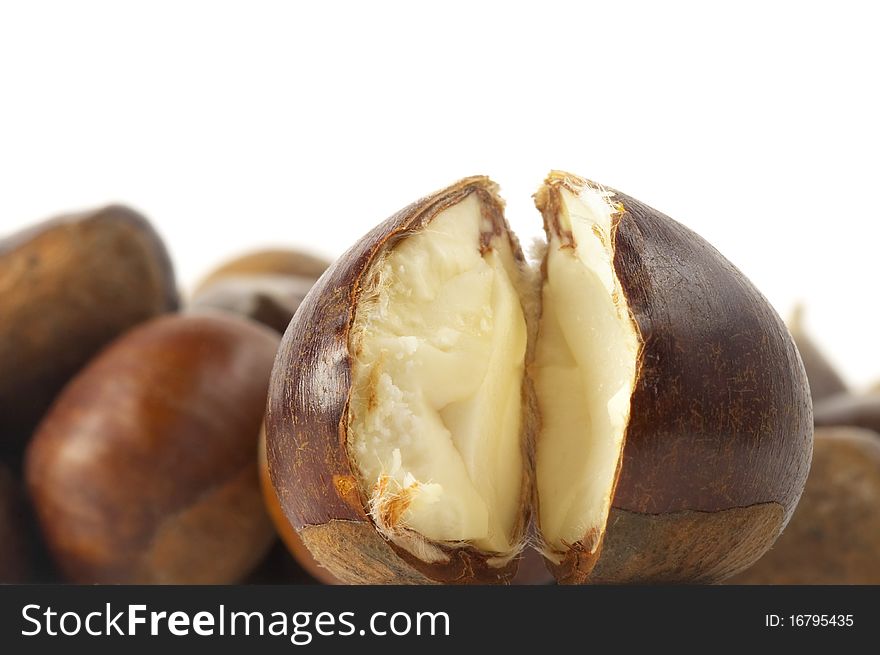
(834, 535)
(69, 286)
(145, 469)
(719, 441)
(306, 420)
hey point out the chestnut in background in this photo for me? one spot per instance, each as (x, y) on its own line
(846, 409)
(287, 262)
(266, 286)
(825, 380)
(69, 286)
(144, 470)
(268, 299)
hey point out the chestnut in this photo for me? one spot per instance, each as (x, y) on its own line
(834, 536)
(144, 470)
(857, 410)
(69, 286)
(279, 261)
(15, 560)
(635, 396)
(268, 299)
(825, 380)
(266, 286)
(288, 535)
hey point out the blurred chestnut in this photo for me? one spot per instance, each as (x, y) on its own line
(834, 535)
(858, 410)
(825, 380)
(283, 262)
(268, 299)
(69, 286)
(144, 470)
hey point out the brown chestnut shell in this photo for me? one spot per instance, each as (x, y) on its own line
(144, 470)
(295, 547)
(69, 286)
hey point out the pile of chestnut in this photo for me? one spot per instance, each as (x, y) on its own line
(129, 424)
(133, 444)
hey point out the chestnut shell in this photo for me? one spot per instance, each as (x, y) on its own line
(295, 548)
(144, 470)
(69, 286)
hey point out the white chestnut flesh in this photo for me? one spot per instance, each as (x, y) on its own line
(584, 374)
(434, 420)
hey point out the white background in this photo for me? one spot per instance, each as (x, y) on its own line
(242, 124)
